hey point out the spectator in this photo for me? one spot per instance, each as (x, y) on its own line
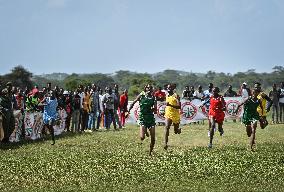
(86, 109)
(281, 102)
(230, 92)
(94, 108)
(245, 91)
(68, 108)
(123, 106)
(101, 108)
(108, 104)
(198, 94)
(8, 119)
(76, 107)
(116, 105)
(274, 96)
(160, 95)
(186, 93)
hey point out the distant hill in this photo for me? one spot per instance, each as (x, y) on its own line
(54, 76)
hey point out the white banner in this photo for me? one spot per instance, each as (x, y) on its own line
(190, 111)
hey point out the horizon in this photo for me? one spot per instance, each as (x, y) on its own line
(111, 73)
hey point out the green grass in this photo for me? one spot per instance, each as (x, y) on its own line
(115, 161)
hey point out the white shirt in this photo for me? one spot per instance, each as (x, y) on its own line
(281, 100)
(245, 94)
(198, 94)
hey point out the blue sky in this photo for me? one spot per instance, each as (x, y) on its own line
(88, 36)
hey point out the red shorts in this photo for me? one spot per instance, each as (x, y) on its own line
(217, 116)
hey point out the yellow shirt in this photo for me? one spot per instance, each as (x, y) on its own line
(171, 112)
(87, 102)
(262, 112)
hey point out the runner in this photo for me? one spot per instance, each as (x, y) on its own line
(146, 116)
(265, 108)
(250, 116)
(216, 113)
(172, 113)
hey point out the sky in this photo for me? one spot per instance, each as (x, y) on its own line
(104, 36)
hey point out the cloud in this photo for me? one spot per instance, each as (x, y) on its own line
(56, 3)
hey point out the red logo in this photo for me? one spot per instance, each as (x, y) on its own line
(231, 106)
(188, 110)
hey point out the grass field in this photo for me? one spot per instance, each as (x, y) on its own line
(115, 161)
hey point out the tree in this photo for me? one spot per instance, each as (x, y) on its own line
(278, 69)
(20, 77)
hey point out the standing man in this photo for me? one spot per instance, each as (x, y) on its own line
(186, 93)
(274, 96)
(198, 94)
(116, 105)
(281, 102)
(245, 91)
(123, 106)
(94, 108)
(100, 109)
(86, 109)
(230, 92)
(8, 119)
(108, 104)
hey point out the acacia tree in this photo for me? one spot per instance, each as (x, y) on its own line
(20, 77)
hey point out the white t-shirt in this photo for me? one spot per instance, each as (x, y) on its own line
(198, 94)
(281, 100)
(245, 94)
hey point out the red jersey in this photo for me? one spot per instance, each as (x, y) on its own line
(216, 108)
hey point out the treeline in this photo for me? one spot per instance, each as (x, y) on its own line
(134, 81)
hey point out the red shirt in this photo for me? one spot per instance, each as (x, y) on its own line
(216, 104)
(123, 102)
(160, 95)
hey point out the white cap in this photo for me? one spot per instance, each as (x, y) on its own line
(65, 93)
(244, 83)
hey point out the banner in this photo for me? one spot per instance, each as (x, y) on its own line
(17, 133)
(190, 111)
(33, 123)
(60, 123)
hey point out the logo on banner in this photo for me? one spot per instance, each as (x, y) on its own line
(161, 110)
(189, 110)
(231, 106)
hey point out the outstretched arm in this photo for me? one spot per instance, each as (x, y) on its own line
(132, 104)
(237, 109)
